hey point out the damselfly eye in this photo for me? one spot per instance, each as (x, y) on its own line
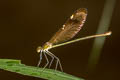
(39, 48)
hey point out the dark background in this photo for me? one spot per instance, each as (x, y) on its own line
(26, 24)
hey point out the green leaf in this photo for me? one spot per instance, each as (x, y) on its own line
(17, 67)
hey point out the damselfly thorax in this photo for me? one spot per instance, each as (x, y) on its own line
(46, 47)
(71, 27)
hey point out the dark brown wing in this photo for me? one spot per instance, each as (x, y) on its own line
(71, 27)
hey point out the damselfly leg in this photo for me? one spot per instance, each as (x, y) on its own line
(58, 61)
(51, 60)
(52, 56)
(40, 58)
(46, 60)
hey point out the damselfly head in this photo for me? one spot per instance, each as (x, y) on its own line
(39, 48)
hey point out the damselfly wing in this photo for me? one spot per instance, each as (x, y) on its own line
(71, 27)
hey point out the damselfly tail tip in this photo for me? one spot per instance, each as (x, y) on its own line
(108, 33)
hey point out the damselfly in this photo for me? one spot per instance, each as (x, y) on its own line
(71, 27)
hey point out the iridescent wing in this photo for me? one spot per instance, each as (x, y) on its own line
(71, 27)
